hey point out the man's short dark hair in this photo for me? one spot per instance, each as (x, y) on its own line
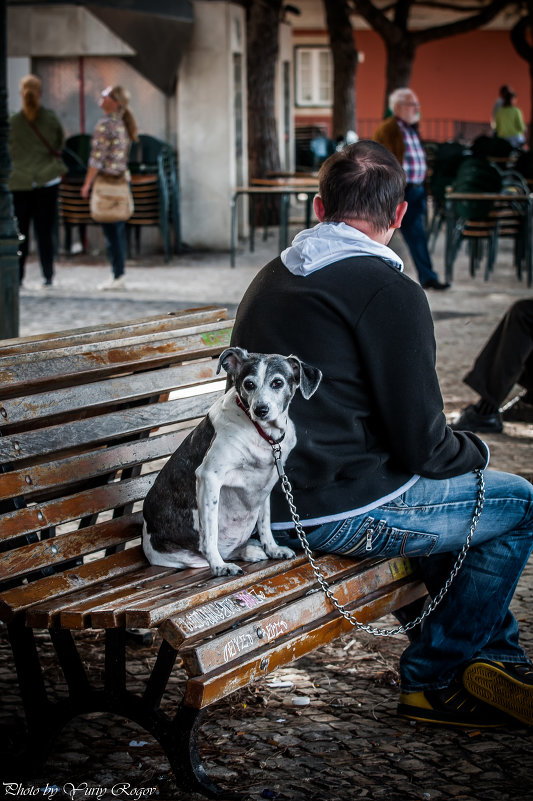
(363, 181)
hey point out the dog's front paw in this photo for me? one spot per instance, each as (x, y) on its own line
(227, 569)
(282, 552)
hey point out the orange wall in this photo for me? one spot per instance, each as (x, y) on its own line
(455, 78)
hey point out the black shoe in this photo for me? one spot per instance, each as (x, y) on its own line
(434, 283)
(505, 686)
(453, 706)
(471, 420)
(518, 412)
(47, 282)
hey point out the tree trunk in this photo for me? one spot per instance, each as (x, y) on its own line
(400, 58)
(344, 66)
(262, 53)
(401, 41)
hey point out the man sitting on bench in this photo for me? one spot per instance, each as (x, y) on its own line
(376, 471)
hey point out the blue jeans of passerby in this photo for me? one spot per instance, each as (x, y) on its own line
(414, 232)
(431, 520)
(115, 237)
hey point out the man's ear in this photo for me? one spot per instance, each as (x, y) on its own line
(318, 208)
(400, 213)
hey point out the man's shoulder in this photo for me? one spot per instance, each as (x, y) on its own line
(388, 125)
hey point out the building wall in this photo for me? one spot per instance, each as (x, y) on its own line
(456, 78)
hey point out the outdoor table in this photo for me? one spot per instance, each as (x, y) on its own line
(271, 187)
(525, 200)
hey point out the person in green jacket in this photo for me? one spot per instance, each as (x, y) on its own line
(35, 141)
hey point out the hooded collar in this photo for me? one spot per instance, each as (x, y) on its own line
(329, 242)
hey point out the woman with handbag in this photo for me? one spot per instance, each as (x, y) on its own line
(107, 174)
(35, 141)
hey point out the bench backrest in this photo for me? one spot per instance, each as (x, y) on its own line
(85, 419)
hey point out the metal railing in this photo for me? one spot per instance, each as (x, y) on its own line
(434, 129)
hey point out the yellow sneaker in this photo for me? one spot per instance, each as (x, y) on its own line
(452, 706)
(505, 686)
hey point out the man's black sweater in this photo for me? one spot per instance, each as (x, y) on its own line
(377, 418)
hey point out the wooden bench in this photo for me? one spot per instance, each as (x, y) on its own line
(86, 418)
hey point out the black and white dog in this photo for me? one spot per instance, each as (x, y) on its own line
(215, 489)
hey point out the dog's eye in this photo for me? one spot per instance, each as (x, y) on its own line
(277, 383)
(248, 385)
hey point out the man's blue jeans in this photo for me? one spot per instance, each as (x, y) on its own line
(431, 521)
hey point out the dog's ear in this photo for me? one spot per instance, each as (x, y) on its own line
(231, 360)
(308, 377)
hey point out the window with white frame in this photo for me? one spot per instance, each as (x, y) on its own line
(314, 76)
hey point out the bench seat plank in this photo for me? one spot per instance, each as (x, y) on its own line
(204, 690)
(185, 629)
(47, 614)
(178, 589)
(149, 612)
(17, 600)
(286, 617)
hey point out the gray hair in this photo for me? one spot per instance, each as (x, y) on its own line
(399, 96)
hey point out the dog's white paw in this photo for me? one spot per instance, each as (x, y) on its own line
(281, 552)
(227, 569)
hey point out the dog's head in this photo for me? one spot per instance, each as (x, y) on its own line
(266, 383)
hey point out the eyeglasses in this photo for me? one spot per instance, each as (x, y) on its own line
(412, 104)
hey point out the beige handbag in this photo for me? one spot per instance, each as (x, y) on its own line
(111, 199)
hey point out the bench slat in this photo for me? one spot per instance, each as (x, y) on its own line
(22, 597)
(204, 690)
(74, 507)
(37, 478)
(15, 378)
(109, 331)
(64, 547)
(154, 607)
(113, 349)
(108, 611)
(190, 626)
(46, 615)
(100, 394)
(287, 617)
(103, 428)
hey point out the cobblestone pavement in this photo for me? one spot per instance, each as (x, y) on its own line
(347, 742)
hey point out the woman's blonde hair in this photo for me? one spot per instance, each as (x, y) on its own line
(122, 97)
(30, 89)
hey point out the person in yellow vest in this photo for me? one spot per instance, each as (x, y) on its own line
(508, 122)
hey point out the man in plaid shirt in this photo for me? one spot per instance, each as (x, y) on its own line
(399, 135)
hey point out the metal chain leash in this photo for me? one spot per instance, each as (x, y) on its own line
(377, 632)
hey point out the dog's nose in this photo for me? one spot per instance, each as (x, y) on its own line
(261, 410)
